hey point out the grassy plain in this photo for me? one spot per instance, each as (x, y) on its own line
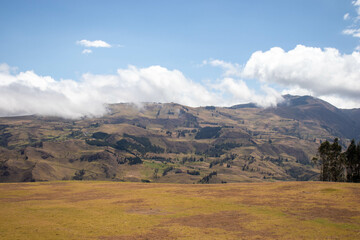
(112, 210)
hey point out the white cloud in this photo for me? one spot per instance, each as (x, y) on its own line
(357, 7)
(28, 93)
(152, 84)
(325, 73)
(230, 69)
(86, 51)
(235, 91)
(353, 32)
(296, 90)
(96, 43)
(346, 16)
(341, 101)
(354, 29)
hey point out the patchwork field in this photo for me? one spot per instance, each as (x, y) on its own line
(110, 210)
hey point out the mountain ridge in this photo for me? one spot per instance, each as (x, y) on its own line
(168, 142)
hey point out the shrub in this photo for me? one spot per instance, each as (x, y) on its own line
(79, 174)
(134, 160)
(208, 132)
(100, 135)
(207, 178)
(193, 172)
(166, 170)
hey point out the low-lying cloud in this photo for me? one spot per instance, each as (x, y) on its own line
(324, 73)
(28, 93)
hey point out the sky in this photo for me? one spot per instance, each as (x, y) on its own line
(70, 58)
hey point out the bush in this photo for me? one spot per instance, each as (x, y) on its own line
(134, 160)
(100, 135)
(193, 172)
(97, 143)
(142, 145)
(4, 139)
(208, 132)
(178, 171)
(207, 178)
(79, 174)
(166, 170)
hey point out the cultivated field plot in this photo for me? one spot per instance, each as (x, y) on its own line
(109, 210)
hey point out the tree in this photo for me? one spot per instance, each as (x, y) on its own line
(332, 161)
(323, 152)
(337, 162)
(337, 166)
(353, 162)
(357, 169)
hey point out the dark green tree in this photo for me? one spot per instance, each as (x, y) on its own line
(337, 162)
(353, 162)
(357, 168)
(332, 161)
(324, 161)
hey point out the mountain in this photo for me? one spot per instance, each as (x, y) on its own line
(175, 143)
(342, 123)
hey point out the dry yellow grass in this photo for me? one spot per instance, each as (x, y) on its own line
(108, 210)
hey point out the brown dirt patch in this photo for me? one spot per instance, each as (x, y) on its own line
(210, 192)
(355, 194)
(334, 214)
(231, 221)
(227, 220)
(130, 201)
(89, 195)
(15, 186)
(61, 194)
(146, 211)
(156, 233)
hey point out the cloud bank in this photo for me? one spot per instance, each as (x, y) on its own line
(28, 93)
(324, 73)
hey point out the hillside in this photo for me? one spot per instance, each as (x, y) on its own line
(174, 143)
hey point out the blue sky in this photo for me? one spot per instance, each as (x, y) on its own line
(43, 37)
